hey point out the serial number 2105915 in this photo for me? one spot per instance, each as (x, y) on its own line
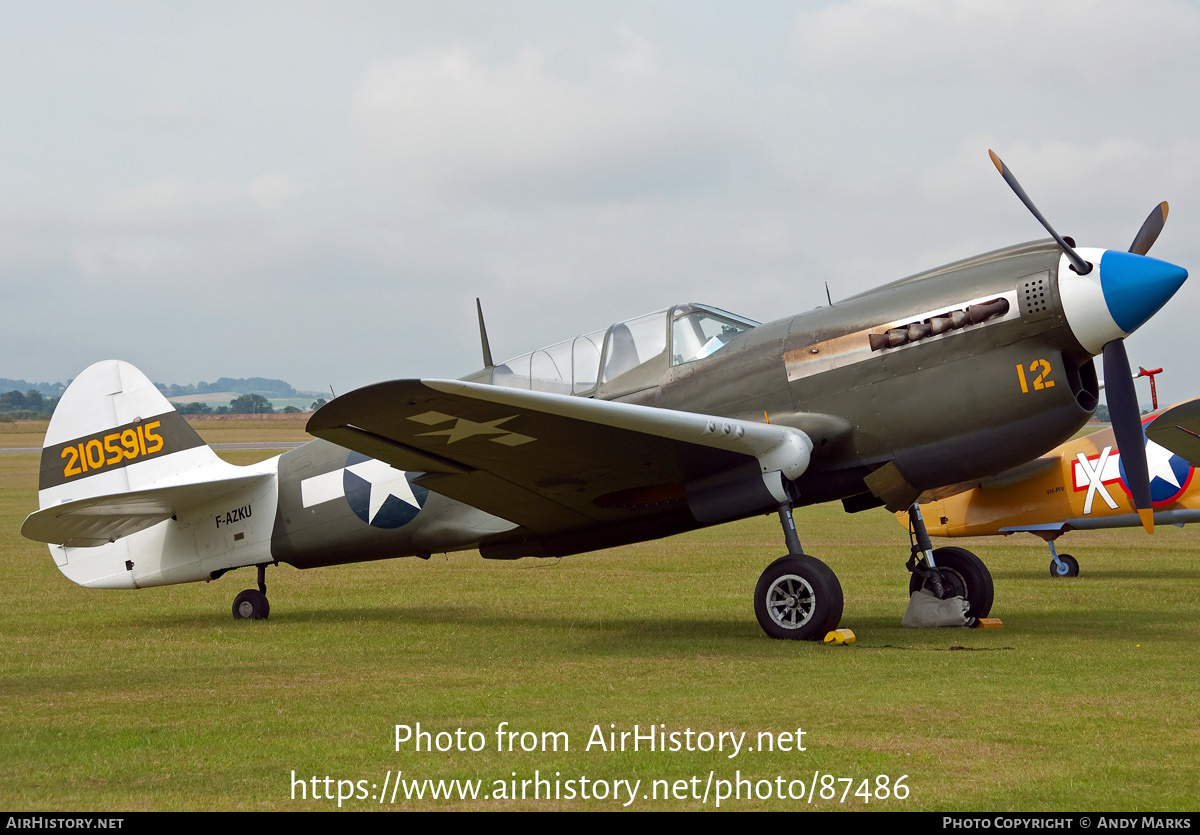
(113, 448)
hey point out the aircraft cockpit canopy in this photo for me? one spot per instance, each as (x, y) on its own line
(626, 356)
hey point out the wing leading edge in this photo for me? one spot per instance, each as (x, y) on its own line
(553, 463)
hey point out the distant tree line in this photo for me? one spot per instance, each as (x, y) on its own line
(39, 399)
(17, 406)
(239, 385)
(54, 390)
(247, 404)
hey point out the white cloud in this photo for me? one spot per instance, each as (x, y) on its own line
(1087, 44)
(272, 190)
(171, 199)
(446, 120)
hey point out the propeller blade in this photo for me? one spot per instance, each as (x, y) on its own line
(1127, 428)
(1082, 267)
(1150, 230)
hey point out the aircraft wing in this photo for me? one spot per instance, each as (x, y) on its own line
(551, 462)
(1178, 429)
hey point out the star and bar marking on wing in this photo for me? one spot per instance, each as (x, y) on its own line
(464, 428)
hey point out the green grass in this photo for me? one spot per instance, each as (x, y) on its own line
(157, 699)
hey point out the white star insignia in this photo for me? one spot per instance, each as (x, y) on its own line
(1158, 460)
(385, 481)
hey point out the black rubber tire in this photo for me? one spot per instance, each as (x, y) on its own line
(965, 575)
(798, 598)
(1071, 563)
(251, 604)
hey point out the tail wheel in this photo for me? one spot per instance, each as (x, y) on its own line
(798, 598)
(251, 604)
(963, 575)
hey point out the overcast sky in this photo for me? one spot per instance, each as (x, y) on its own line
(318, 191)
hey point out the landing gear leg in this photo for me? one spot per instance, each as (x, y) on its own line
(948, 572)
(789, 530)
(1062, 565)
(798, 597)
(921, 563)
(252, 604)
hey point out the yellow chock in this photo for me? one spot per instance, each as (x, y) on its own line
(839, 636)
(991, 623)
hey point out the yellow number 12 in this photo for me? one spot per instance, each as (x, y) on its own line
(1041, 381)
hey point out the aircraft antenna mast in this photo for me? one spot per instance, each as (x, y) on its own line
(483, 337)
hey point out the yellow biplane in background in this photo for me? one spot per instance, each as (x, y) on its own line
(1080, 485)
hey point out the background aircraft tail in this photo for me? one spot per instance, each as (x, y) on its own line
(117, 461)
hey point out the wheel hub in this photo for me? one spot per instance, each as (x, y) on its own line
(791, 601)
(953, 584)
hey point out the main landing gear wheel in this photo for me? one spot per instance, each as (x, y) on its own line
(798, 598)
(251, 604)
(1067, 566)
(963, 575)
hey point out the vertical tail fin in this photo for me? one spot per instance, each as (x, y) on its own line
(114, 432)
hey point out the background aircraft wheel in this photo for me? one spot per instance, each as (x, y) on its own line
(798, 598)
(963, 575)
(251, 605)
(1068, 568)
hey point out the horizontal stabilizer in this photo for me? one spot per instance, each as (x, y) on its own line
(97, 520)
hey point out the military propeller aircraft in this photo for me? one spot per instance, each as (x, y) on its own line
(659, 424)
(1080, 485)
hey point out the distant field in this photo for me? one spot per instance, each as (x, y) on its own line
(240, 429)
(215, 398)
(22, 433)
(156, 699)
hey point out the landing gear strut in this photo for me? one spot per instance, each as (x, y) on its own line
(948, 572)
(798, 597)
(252, 604)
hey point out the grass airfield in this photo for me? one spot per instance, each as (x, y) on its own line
(157, 700)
